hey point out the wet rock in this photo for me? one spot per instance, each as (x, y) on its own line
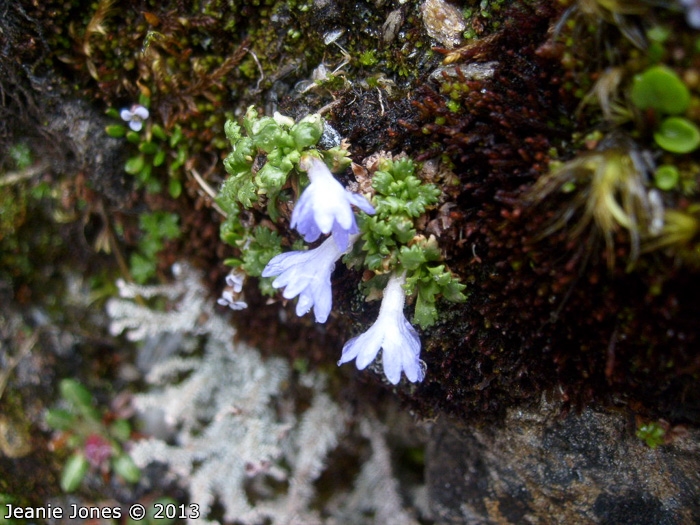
(539, 467)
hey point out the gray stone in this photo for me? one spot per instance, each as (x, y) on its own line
(538, 466)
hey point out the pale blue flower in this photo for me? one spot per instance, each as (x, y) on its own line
(232, 294)
(135, 116)
(326, 207)
(308, 275)
(394, 334)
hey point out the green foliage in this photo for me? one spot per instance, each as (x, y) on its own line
(262, 246)
(157, 227)
(678, 135)
(21, 155)
(82, 424)
(6, 499)
(390, 242)
(652, 434)
(74, 471)
(666, 177)
(158, 156)
(266, 150)
(280, 141)
(369, 58)
(257, 248)
(661, 89)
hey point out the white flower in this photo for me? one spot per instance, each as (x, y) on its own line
(231, 296)
(135, 116)
(308, 275)
(394, 334)
(325, 206)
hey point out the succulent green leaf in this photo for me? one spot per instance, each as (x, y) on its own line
(233, 131)
(270, 178)
(116, 130)
(678, 135)
(240, 160)
(374, 261)
(268, 135)
(126, 468)
(307, 132)
(59, 419)
(660, 88)
(160, 134)
(652, 434)
(174, 188)
(120, 430)
(76, 394)
(159, 158)
(454, 291)
(176, 136)
(262, 246)
(134, 165)
(666, 177)
(148, 148)
(431, 249)
(73, 472)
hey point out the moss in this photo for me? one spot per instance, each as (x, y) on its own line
(544, 311)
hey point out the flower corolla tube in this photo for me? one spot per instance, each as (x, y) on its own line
(135, 116)
(326, 207)
(393, 334)
(308, 275)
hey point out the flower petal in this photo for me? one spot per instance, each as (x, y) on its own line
(361, 202)
(323, 301)
(307, 275)
(280, 263)
(141, 112)
(304, 304)
(370, 342)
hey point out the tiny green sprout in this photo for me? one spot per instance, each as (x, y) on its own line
(666, 177)
(21, 155)
(453, 106)
(660, 88)
(678, 135)
(369, 58)
(652, 434)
